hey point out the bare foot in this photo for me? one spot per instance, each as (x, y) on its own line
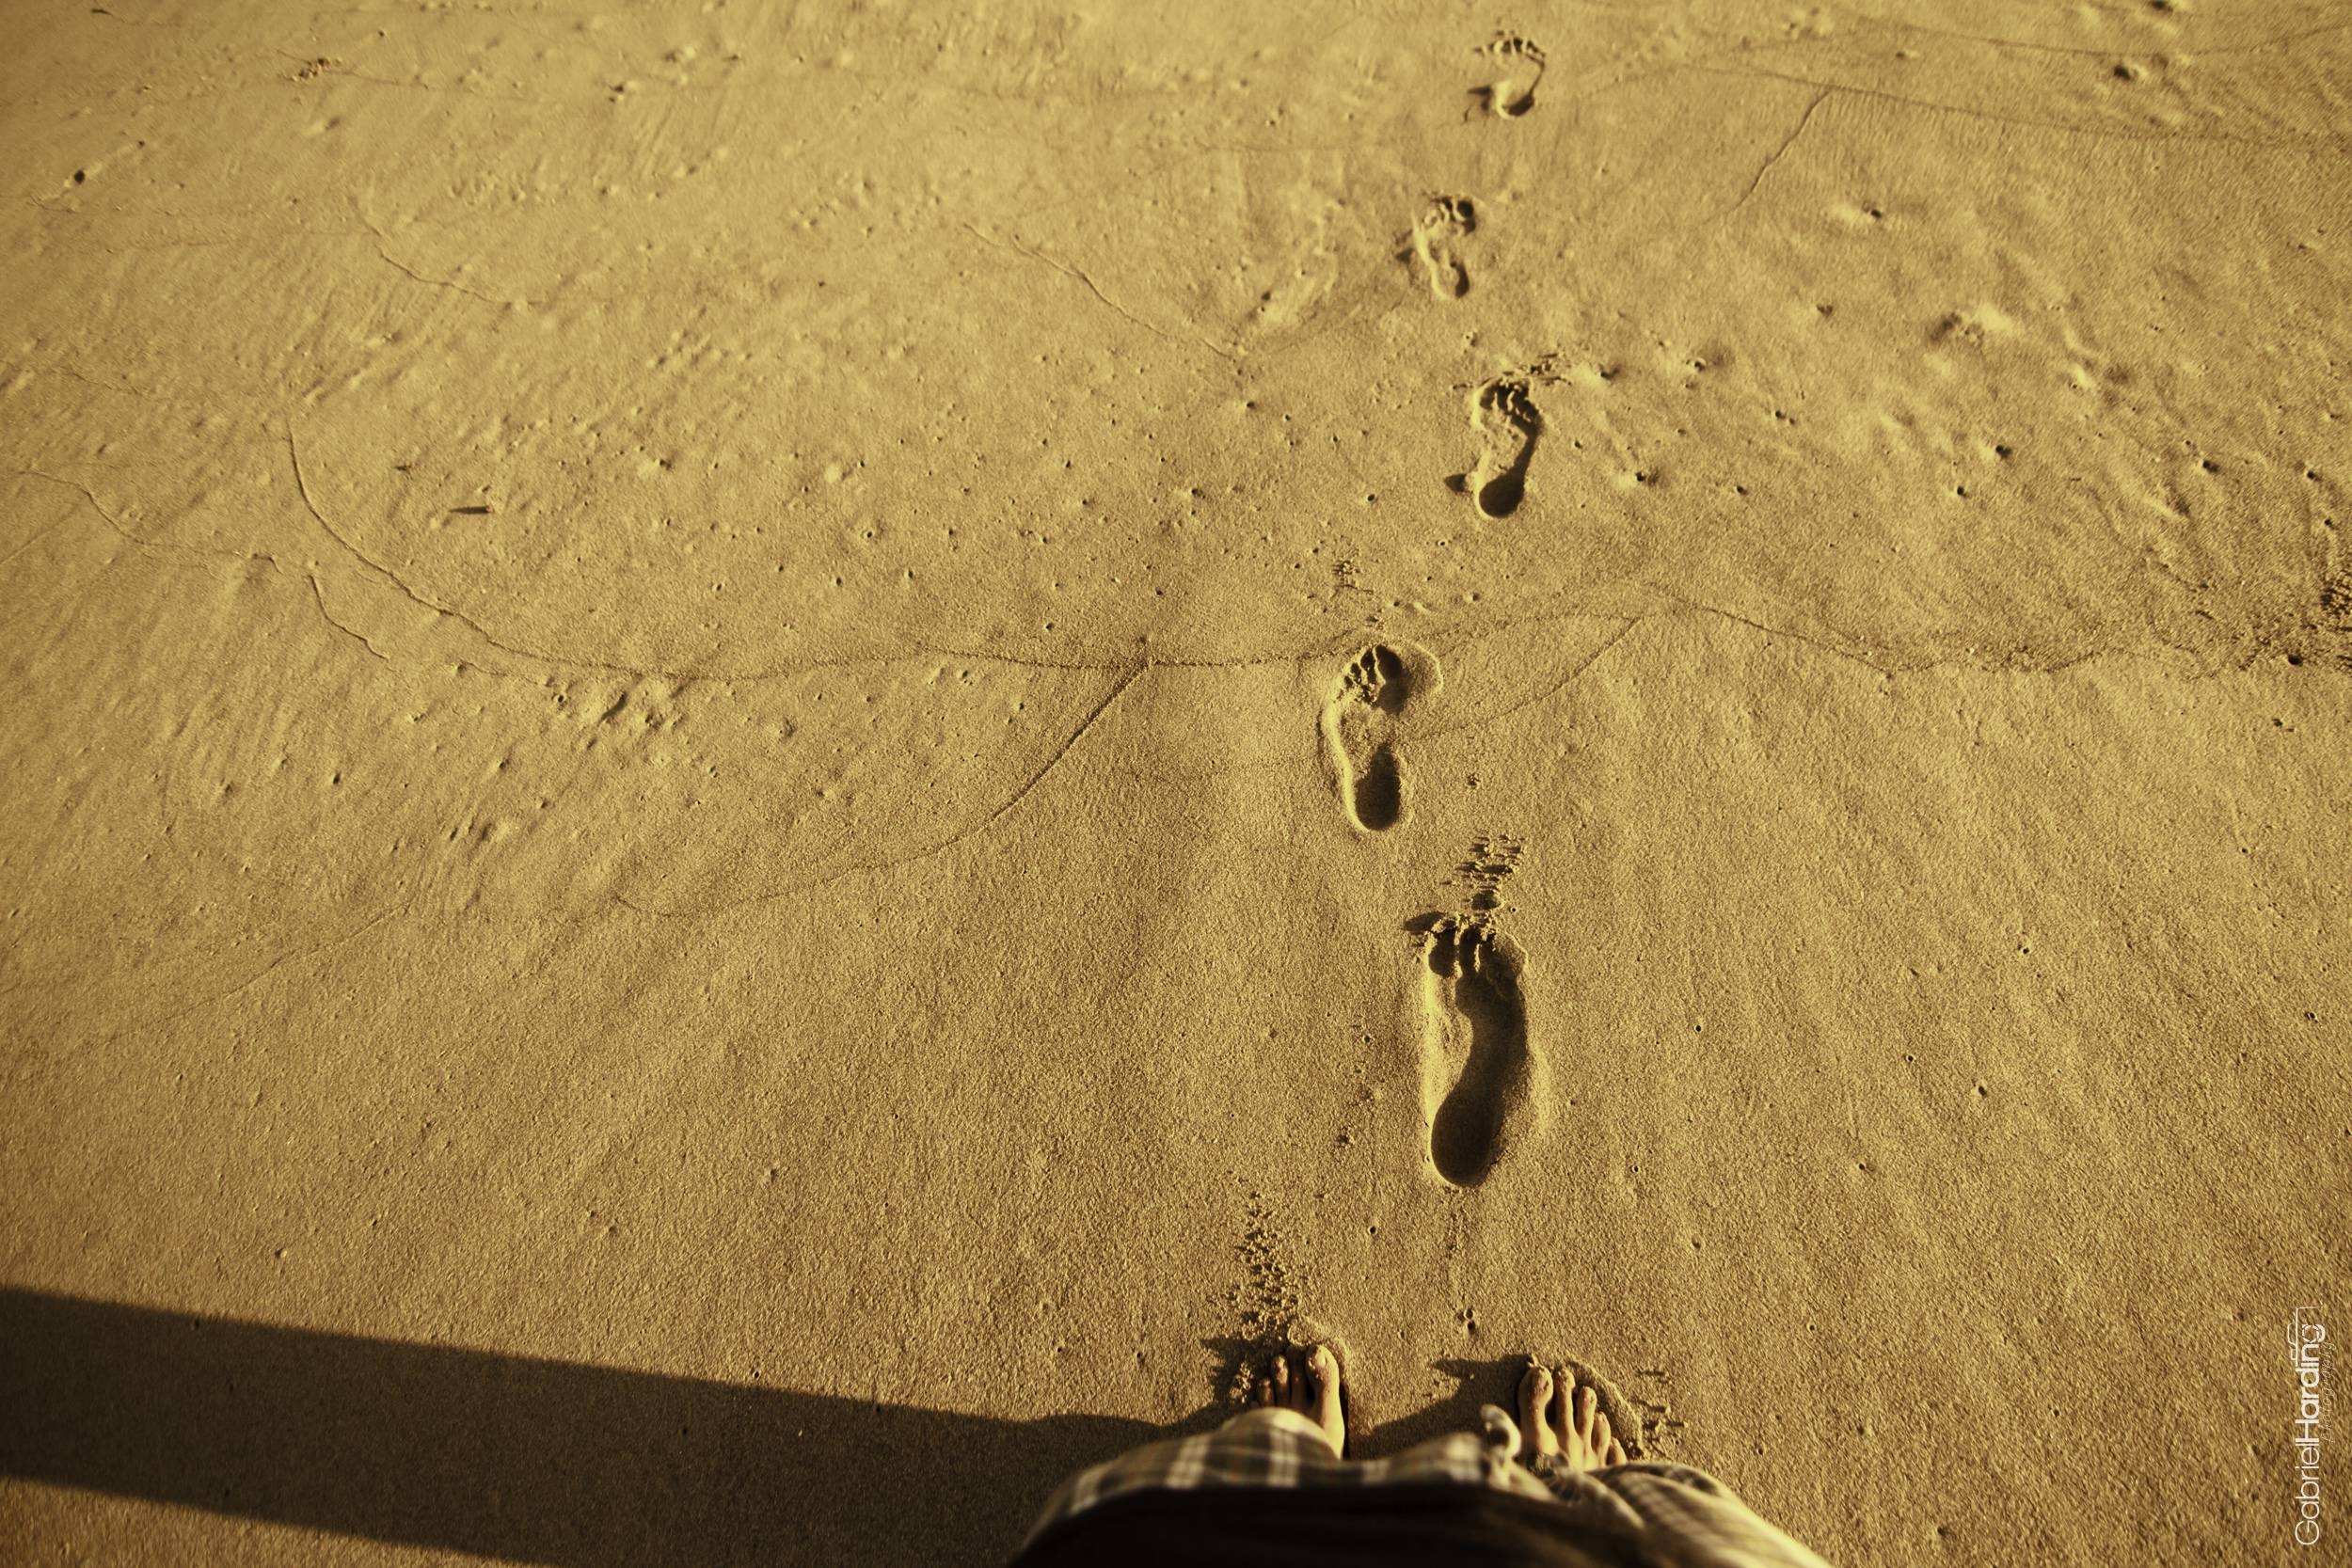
(1558, 1416)
(1308, 1382)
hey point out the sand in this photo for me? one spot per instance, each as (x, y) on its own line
(767, 761)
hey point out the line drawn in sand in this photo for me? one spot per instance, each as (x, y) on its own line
(1368, 706)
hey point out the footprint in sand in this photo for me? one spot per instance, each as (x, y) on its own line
(1437, 243)
(1504, 417)
(1477, 1066)
(1519, 67)
(1359, 725)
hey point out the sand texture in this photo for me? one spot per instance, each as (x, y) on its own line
(765, 762)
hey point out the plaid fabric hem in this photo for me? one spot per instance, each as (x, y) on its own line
(1681, 1515)
(1275, 1448)
(1693, 1518)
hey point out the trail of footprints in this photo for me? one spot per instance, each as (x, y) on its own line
(1502, 413)
(1477, 1065)
(1435, 244)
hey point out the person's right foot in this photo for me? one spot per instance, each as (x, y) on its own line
(1312, 1388)
(1560, 1415)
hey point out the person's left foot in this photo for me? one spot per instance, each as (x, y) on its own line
(1308, 1382)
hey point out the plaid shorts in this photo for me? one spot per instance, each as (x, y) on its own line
(1681, 1514)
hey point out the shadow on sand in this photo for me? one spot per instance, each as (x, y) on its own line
(549, 1462)
(533, 1461)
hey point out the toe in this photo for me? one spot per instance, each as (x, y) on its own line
(1587, 1407)
(1602, 1437)
(1323, 1372)
(1535, 1391)
(1281, 1373)
(1616, 1454)
(1321, 1398)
